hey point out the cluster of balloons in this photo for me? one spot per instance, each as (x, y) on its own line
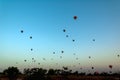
(73, 40)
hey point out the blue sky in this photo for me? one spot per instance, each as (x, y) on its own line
(45, 20)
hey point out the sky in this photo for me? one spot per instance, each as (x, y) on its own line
(96, 32)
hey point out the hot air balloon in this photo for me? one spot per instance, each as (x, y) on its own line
(66, 35)
(110, 66)
(25, 60)
(92, 67)
(73, 53)
(89, 57)
(30, 37)
(73, 40)
(118, 55)
(60, 56)
(21, 31)
(31, 49)
(53, 52)
(75, 17)
(62, 51)
(93, 39)
(38, 63)
(64, 30)
(76, 58)
(32, 58)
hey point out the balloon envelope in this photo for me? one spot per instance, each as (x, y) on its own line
(75, 17)
(64, 30)
(93, 39)
(30, 37)
(110, 66)
(21, 31)
(62, 51)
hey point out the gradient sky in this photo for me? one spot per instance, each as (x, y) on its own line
(45, 20)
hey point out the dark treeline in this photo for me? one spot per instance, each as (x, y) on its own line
(13, 73)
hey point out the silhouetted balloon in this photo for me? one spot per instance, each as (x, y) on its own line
(44, 59)
(110, 66)
(89, 57)
(73, 40)
(64, 30)
(110, 71)
(66, 35)
(75, 17)
(118, 55)
(21, 31)
(25, 60)
(31, 49)
(76, 58)
(38, 63)
(32, 58)
(92, 67)
(93, 39)
(60, 56)
(62, 51)
(53, 52)
(73, 53)
(30, 37)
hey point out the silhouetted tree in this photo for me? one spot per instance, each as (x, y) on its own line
(35, 74)
(51, 72)
(12, 73)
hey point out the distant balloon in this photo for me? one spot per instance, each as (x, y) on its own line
(30, 37)
(60, 56)
(75, 17)
(73, 53)
(53, 52)
(93, 39)
(110, 66)
(44, 59)
(62, 51)
(21, 31)
(110, 71)
(38, 63)
(118, 55)
(25, 60)
(89, 57)
(64, 30)
(66, 35)
(92, 67)
(31, 49)
(76, 58)
(73, 40)
(32, 58)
